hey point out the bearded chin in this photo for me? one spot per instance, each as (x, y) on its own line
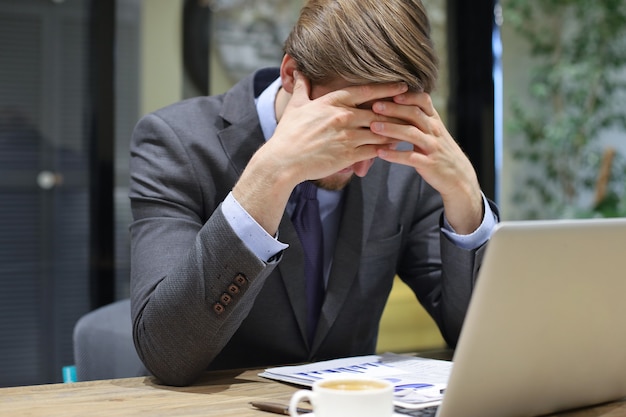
(335, 182)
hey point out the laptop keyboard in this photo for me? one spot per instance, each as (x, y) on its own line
(420, 412)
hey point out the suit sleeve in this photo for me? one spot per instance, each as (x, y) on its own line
(193, 281)
(440, 273)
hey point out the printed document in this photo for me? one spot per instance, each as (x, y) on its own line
(417, 380)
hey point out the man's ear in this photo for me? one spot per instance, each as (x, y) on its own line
(287, 67)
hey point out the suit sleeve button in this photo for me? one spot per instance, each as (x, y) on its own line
(226, 299)
(218, 308)
(233, 289)
(240, 279)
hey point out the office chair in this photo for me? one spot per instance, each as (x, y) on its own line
(103, 344)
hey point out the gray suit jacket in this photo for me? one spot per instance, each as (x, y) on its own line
(202, 300)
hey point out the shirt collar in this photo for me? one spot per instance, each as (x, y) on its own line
(266, 110)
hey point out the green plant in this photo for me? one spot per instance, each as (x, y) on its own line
(577, 93)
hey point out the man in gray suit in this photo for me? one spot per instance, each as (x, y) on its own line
(218, 270)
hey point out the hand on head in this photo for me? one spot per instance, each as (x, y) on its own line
(435, 155)
(322, 130)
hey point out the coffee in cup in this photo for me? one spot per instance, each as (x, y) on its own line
(347, 396)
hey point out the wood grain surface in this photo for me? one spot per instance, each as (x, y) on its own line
(223, 393)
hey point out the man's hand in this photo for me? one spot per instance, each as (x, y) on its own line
(435, 155)
(318, 137)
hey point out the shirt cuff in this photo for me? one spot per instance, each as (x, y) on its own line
(479, 236)
(261, 243)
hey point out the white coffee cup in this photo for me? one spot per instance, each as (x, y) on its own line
(347, 396)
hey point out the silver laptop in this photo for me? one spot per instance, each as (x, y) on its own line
(546, 327)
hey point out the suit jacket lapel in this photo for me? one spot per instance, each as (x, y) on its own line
(242, 134)
(292, 273)
(357, 215)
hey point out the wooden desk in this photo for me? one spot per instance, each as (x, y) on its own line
(224, 393)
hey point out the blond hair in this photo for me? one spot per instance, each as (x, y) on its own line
(364, 41)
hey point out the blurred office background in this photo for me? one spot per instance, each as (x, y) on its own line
(76, 75)
(69, 96)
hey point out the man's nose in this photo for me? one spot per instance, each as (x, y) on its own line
(361, 168)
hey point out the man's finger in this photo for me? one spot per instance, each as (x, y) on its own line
(422, 100)
(356, 95)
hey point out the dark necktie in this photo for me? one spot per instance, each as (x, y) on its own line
(306, 219)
